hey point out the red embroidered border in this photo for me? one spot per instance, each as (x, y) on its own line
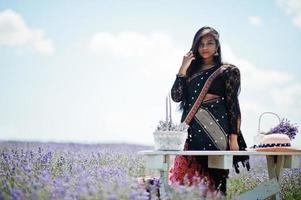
(201, 96)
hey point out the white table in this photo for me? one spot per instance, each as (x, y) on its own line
(159, 160)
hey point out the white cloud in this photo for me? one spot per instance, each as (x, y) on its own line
(15, 33)
(289, 96)
(255, 20)
(132, 44)
(150, 55)
(293, 8)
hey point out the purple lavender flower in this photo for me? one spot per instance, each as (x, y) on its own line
(285, 127)
(99, 171)
(16, 193)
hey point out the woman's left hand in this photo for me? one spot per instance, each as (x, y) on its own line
(233, 143)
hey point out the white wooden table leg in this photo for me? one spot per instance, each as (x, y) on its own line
(275, 170)
(271, 166)
(271, 169)
(161, 164)
(164, 187)
(279, 170)
(279, 167)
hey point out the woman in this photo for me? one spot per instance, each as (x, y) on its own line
(214, 123)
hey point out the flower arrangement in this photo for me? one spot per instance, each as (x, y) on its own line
(169, 136)
(168, 124)
(285, 127)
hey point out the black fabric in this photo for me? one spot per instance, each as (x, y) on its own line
(232, 88)
(198, 139)
(225, 109)
(226, 85)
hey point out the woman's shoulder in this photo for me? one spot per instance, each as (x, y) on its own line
(230, 69)
(229, 66)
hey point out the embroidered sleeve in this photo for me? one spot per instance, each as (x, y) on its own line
(178, 89)
(232, 89)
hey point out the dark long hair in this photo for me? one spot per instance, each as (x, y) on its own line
(198, 61)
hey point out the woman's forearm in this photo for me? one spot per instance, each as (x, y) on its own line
(233, 142)
(233, 138)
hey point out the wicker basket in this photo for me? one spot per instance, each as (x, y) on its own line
(260, 134)
(170, 140)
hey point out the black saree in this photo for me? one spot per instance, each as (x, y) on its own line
(214, 121)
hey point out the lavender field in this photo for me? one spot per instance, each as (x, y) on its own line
(105, 171)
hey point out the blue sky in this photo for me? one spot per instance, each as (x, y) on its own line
(99, 71)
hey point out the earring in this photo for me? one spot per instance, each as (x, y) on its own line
(216, 54)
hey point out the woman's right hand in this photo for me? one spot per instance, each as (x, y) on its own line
(187, 59)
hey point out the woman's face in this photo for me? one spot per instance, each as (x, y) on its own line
(207, 47)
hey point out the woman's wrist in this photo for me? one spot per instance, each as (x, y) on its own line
(181, 73)
(233, 137)
(183, 70)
